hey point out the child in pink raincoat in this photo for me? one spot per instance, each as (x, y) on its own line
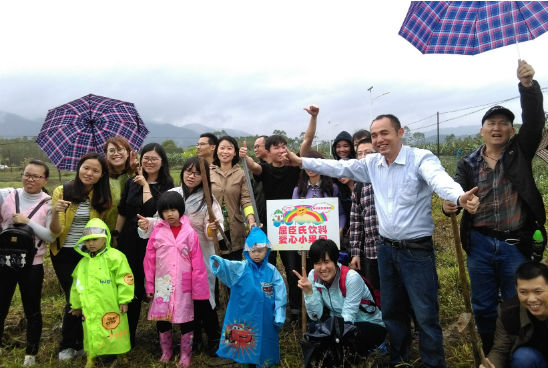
(175, 275)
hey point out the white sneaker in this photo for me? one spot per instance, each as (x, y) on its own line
(30, 360)
(66, 354)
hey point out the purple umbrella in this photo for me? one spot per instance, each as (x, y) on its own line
(471, 27)
(84, 125)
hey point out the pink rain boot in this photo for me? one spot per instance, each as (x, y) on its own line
(166, 343)
(186, 349)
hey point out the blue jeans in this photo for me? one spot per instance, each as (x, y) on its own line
(527, 357)
(409, 281)
(492, 265)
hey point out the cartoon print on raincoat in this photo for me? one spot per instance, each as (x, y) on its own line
(256, 308)
(100, 284)
(175, 272)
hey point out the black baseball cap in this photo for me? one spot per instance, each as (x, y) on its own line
(498, 110)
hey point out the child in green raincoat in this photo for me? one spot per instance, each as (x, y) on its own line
(101, 289)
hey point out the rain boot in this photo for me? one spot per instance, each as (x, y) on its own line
(186, 350)
(166, 343)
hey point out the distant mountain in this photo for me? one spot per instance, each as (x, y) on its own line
(13, 126)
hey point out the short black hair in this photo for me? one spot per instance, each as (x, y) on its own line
(320, 248)
(393, 119)
(361, 134)
(274, 140)
(531, 270)
(171, 200)
(212, 138)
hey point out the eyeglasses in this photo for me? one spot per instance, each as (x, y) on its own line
(32, 177)
(151, 159)
(112, 151)
(192, 173)
(200, 144)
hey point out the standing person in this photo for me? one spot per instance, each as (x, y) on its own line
(122, 162)
(175, 275)
(205, 148)
(139, 197)
(101, 289)
(313, 185)
(403, 179)
(343, 149)
(74, 204)
(364, 226)
(229, 187)
(259, 148)
(256, 308)
(522, 327)
(32, 198)
(279, 181)
(191, 190)
(498, 238)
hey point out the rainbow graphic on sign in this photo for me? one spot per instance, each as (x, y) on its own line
(302, 214)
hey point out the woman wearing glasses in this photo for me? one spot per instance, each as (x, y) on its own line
(30, 278)
(139, 198)
(229, 187)
(122, 162)
(73, 205)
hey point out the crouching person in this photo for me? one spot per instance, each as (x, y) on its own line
(256, 308)
(522, 324)
(101, 290)
(344, 293)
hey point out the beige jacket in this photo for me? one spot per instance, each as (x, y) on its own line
(231, 189)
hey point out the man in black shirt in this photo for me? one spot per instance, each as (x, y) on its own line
(278, 183)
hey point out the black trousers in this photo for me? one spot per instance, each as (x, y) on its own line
(72, 335)
(30, 280)
(206, 317)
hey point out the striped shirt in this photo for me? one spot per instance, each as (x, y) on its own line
(76, 230)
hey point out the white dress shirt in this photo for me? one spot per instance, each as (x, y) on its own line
(403, 189)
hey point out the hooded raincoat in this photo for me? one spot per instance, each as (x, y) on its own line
(256, 309)
(175, 272)
(100, 284)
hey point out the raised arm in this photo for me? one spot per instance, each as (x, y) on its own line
(310, 130)
(254, 167)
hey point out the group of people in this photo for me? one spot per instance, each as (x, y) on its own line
(120, 233)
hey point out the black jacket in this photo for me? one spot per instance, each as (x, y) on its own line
(517, 166)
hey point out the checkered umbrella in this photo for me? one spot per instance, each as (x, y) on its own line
(471, 27)
(84, 125)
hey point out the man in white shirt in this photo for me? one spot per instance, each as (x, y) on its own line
(403, 180)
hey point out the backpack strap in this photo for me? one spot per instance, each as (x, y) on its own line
(35, 208)
(342, 280)
(342, 286)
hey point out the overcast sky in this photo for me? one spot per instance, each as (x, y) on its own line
(250, 65)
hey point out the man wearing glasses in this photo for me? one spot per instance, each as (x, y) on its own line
(206, 146)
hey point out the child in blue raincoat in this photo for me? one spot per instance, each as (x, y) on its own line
(256, 308)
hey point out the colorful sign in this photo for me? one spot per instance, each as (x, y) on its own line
(294, 224)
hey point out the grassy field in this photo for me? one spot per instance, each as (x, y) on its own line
(457, 344)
